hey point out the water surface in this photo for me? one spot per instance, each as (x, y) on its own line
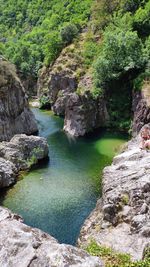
(58, 195)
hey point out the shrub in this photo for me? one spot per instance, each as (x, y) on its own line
(45, 102)
(68, 33)
(132, 5)
(142, 20)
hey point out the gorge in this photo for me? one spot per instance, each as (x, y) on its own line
(62, 192)
(74, 88)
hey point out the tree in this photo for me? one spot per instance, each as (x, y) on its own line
(118, 55)
(68, 33)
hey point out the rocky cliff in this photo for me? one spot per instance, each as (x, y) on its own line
(23, 246)
(121, 219)
(141, 108)
(84, 113)
(70, 92)
(15, 115)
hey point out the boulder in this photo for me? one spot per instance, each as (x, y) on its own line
(15, 115)
(23, 246)
(24, 151)
(21, 153)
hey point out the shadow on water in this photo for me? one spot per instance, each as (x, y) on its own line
(59, 195)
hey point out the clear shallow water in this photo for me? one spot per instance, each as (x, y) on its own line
(59, 195)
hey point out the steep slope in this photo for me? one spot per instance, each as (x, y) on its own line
(121, 219)
(15, 115)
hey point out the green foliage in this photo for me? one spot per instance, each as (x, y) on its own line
(90, 52)
(118, 55)
(68, 33)
(113, 259)
(1, 49)
(96, 92)
(32, 160)
(132, 5)
(142, 20)
(30, 30)
(102, 12)
(44, 102)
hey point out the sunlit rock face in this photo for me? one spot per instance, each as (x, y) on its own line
(23, 246)
(15, 115)
(84, 114)
(121, 219)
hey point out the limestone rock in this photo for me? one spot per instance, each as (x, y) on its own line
(84, 113)
(68, 90)
(15, 115)
(8, 173)
(23, 246)
(21, 153)
(121, 218)
(24, 151)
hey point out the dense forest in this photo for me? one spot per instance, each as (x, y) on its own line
(116, 45)
(33, 32)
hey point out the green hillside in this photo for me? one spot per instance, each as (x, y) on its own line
(33, 32)
(115, 46)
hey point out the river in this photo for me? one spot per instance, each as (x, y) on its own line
(59, 195)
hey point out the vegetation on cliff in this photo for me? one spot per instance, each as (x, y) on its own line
(33, 32)
(112, 38)
(123, 60)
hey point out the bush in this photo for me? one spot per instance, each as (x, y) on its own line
(132, 5)
(45, 102)
(68, 33)
(118, 55)
(142, 20)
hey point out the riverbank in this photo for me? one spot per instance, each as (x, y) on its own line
(121, 217)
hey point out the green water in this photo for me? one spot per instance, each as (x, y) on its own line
(59, 195)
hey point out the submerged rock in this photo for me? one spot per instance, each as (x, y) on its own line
(15, 115)
(121, 219)
(21, 153)
(23, 246)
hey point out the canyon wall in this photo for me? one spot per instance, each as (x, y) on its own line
(15, 115)
(121, 219)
